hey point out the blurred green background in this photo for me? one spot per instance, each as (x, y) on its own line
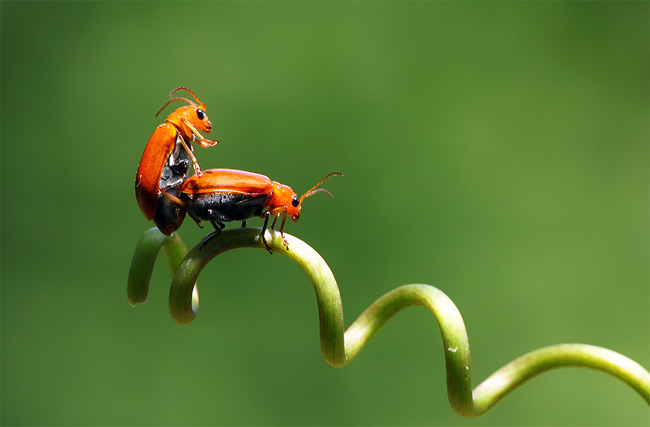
(498, 151)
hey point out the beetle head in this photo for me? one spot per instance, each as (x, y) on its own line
(193, 113)
(284, 200)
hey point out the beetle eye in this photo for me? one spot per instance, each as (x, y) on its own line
(200, 114)
(295, 202)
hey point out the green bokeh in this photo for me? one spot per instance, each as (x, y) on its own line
(498, 151)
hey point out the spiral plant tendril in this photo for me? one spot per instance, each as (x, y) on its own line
(340, 347)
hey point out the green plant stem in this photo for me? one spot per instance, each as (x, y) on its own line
(339, 348)
(530, 364)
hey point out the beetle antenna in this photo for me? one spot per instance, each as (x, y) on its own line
(202, 105)
(313, 189)
(318, 190)
(176, 99)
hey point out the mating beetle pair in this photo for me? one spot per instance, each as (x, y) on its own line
(165, 193)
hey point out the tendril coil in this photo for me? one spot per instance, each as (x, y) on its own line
(339, 346)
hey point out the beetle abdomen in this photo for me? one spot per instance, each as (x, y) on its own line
(224, 207)
(169, 214)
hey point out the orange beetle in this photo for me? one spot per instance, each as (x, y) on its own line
(222, 195)
(166, 158)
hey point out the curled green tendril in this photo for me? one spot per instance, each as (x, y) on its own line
(339, 348)
(144, 259)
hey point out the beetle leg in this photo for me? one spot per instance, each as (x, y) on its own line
(284, 240)
(218, 226)
(195, 162)
(274, 221)
(266, 222)
(198, 221)
(174, 198)
(204, 142)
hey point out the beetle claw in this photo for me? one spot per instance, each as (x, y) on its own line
(266, 244)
